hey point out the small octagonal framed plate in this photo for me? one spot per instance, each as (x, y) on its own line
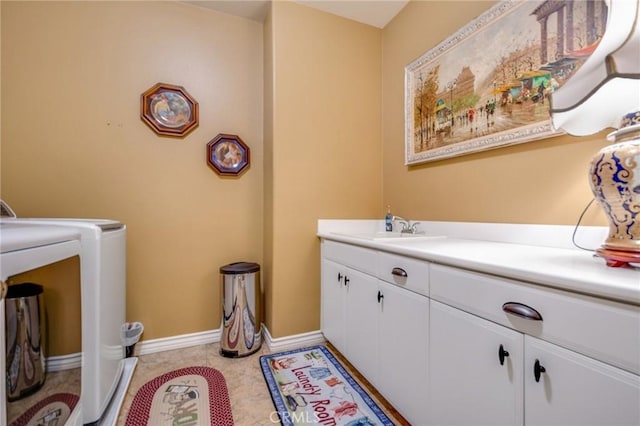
(169, 110)
(228, 155)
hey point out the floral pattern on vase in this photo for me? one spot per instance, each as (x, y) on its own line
(615, 182)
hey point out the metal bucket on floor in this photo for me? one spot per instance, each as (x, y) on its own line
(24, 319)
(241, 309)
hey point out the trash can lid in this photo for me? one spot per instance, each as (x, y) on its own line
(23, 290)
(240, 268)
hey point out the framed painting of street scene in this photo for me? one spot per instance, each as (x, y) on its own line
(489, 84)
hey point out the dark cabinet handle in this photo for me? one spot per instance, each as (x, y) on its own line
(538, 369)
(502, 354)
(399, 272)
(521, 310)
(380, 296)
(340, 276)
(346, 280)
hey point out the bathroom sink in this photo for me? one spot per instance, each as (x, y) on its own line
(389, 236)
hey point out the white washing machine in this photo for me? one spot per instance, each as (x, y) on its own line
(24, 247)
(101, 244)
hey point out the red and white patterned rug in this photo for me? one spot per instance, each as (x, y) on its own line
(53, 410)
(189, 396)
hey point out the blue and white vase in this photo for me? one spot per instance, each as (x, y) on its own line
(615, 182)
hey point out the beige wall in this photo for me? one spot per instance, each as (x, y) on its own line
(537, 182)
(73, 144)
(325, 160)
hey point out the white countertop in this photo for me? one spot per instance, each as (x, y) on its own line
(528, 259)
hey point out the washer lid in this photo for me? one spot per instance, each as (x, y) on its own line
(20, 236)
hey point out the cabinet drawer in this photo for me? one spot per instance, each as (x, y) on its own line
(359, 258)
(405, 272)
(604, 330)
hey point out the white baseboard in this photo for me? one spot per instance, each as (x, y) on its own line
(64, 362)
(177, 342)
(213, 336)
(295, 341)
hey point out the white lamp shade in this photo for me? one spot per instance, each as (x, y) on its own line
(607, 86)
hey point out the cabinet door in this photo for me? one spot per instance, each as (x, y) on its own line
(468, 385)
(403, 351)
(576, 390)
(332, 303)
(362, 323)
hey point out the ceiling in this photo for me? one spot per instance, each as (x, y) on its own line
(371, 12)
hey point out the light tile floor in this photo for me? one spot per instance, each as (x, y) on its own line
(250, 399)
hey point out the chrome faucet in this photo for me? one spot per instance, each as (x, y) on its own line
(407, 226)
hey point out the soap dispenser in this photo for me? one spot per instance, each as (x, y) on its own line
(388, 220)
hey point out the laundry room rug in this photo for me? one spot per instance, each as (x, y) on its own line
(310, 386)
(52, 410)
(189, 396)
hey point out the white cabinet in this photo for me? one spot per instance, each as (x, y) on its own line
(403, 343)
(539, 382)
(601, 329)
(380, 327)
(349, 314)
(333, 300)
(576, 390)
(361, 323)
(449, 346)
(348, 303)
(470, 382)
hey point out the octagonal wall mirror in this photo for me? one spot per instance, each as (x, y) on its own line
(169, 110)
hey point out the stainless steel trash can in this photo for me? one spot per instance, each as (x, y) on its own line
(241, 309)
(24, 322)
